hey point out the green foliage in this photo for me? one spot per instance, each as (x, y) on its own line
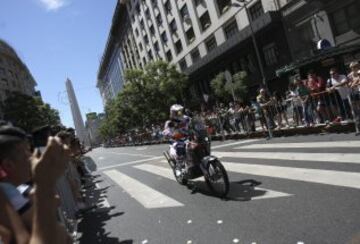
(29, 112)
(145, 98)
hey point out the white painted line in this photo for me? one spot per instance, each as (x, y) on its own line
(101, 158)
(236, 143)
(316, 157)
(329, 177)
(167, 173)
(329, 144)
(147, 196)
(141, 148)
(133, 154)
(130, 163)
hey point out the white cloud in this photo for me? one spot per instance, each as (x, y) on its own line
(53, 5)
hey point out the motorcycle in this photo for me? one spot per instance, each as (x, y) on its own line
(200, 163)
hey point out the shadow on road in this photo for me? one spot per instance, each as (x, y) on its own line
(239, 191)
(92, 225)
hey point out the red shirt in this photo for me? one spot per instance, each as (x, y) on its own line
(316, 84)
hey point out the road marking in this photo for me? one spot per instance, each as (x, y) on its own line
(168, 173)
(101, 158)
(330, 144)
(105, 203)
(130, 163)
(133, 154)
(328, 177)
(318, 157)
(141, 148)
(147, 196)
(236, 143)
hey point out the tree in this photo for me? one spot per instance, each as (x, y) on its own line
(145, 98)
(29, 112)
(223, 90)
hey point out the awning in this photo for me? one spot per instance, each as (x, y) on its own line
(323, 54)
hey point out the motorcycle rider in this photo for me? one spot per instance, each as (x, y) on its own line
(177, 128)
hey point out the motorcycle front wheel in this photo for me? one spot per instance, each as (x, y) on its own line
(217, 178)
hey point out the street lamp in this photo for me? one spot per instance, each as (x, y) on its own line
(243, 4)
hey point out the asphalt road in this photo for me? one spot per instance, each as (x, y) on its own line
(310, 193)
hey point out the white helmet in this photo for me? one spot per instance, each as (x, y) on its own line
(176, 110)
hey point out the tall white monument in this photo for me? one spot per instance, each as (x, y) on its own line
(76, 114)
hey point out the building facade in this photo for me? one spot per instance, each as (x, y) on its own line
(200, 36)
(322, 34)
(92, 125)
(14, 74)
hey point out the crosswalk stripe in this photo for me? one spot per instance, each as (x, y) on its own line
(147, 196)
(329, 144)
(236, 143)
(329, 177)
(167, 173)
(316, 157)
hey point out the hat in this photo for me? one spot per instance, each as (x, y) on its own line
(354, 64)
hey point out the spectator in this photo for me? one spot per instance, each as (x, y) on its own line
(266, 104)
(280, 108)
(304, 93)
(296, 104)
(354, 83)
(339, 90)
(318, 100)
(17, 166)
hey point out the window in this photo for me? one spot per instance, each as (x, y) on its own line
(147, 14)
(2, 71)
(5, 81)
(152, 30)
(146, 39)
(169, 56)
(140, 46)
(256, 11)
(184, 12)
(167, 6)
(205, 21)
(270, 54)
(154, 3)
(136, 32)
(164, 37)
(231, 29)
(142, 24)
(198, 2)
(346, 19)
(151, 57)
(173, 27)
(223, 5)
(159, 20)
(178, 47)
(190, 35)
(182, 64)
(195, 55)
(156, 47)
(211, 44)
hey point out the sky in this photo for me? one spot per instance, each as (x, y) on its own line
(57, 39)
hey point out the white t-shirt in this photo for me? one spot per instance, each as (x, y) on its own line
(344, 91)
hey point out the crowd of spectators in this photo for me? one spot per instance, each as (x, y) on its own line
(33, 169)
(308, 102)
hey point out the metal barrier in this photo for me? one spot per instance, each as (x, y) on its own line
(68, 209)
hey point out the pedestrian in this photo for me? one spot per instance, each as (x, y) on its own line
(266, 104)
(280, 108)
(296, 104)
(305, 96)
